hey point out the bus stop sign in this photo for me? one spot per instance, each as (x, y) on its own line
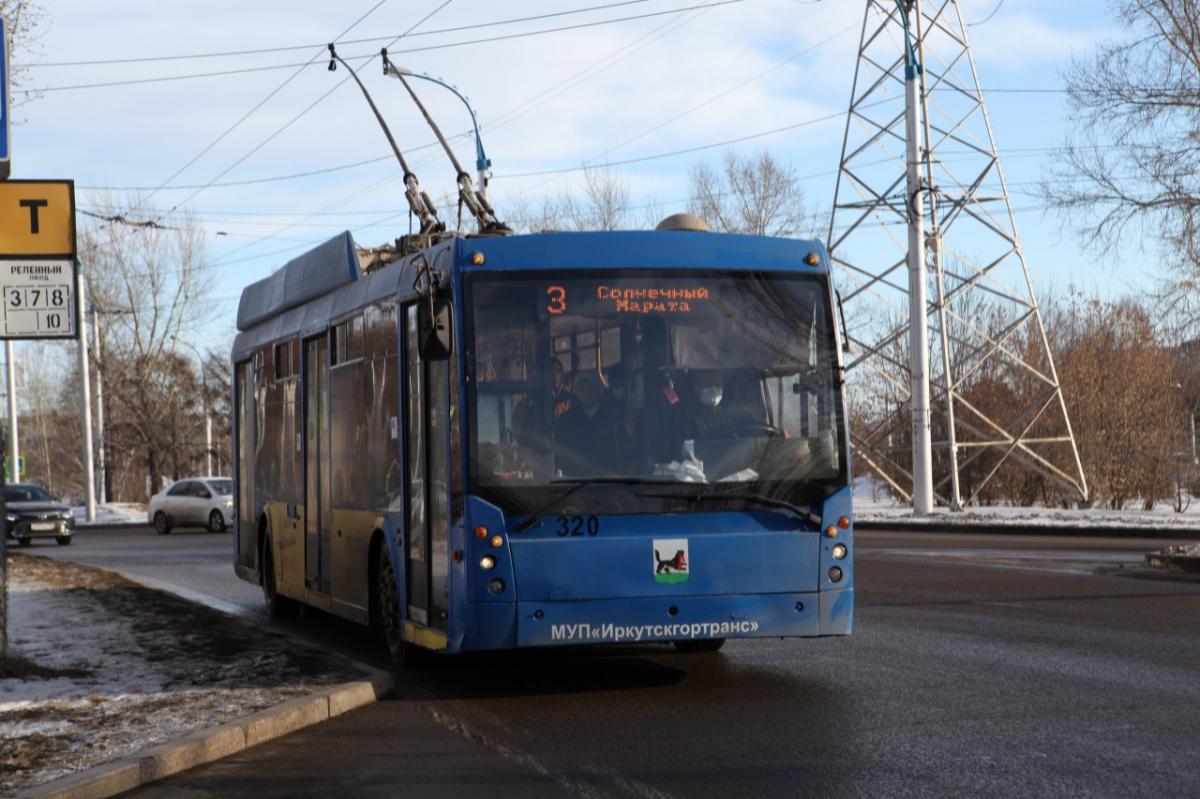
(5, 125)
(37, 259)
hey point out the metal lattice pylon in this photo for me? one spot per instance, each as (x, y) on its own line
(995, 402)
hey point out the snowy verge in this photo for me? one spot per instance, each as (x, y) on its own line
(118, 668)
(112, 513)
(873, 503)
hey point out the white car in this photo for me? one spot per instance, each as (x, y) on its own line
(197, 501)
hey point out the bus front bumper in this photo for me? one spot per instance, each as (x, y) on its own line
(681, 618)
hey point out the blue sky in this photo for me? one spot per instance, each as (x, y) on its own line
(606, 93)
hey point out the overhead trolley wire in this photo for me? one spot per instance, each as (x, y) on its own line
(251, 112)
(443, 46)
(297, 117)
(503, 119)
(322, 45)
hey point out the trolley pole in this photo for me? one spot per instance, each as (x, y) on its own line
(918, 339)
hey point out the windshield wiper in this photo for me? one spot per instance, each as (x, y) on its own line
(750, 496)
(534, 516)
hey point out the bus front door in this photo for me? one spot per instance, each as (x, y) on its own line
(316, 473)
(247, 530)
(426, 489)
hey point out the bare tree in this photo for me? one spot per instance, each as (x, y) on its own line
(148, 285)
(42, 367)
(1120, 385)
(24, 20)
(603, 205)
(1132, 164)
(756, 195)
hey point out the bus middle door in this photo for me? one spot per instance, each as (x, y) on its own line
(316, 464)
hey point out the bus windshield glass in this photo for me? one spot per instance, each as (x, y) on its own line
(662, 376)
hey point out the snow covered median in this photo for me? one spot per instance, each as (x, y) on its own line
(105, 668)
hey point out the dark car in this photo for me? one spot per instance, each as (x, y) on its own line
(30, 512)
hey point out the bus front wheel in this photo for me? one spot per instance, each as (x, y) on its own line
(387, 613)
(278, 607)
(700, 645)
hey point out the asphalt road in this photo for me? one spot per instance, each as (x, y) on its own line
(979, 666)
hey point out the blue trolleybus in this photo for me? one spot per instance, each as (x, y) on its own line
(550, 439)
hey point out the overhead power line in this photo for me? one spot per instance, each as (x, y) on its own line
(684, 151)
(504, 37)
(322, 45)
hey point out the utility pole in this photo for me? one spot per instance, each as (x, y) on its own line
(918, 339)
(85, 400)
(14, 452)
(101, 476)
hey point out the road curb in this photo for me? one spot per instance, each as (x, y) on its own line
(205, 746)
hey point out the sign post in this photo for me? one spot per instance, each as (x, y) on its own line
(5, 169)
(5, 124)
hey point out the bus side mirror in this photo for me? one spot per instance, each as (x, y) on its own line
(435, 328)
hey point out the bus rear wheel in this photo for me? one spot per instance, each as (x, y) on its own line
(700, 645)
(278, 607)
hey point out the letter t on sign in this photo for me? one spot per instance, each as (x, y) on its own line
(33, 206)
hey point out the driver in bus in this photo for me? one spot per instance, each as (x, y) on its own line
(590, 436)
(710, 414)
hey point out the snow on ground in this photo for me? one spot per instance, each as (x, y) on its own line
(106, 668)
(873, 502)
(112, 513)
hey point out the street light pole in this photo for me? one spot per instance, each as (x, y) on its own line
(483, 164)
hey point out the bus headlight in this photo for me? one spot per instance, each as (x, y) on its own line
(496, 586)
(839, 551)
(487, 563)
(835, 574)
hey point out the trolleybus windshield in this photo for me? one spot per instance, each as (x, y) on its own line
(662, 376)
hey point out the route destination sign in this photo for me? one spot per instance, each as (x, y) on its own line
(37, 259)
